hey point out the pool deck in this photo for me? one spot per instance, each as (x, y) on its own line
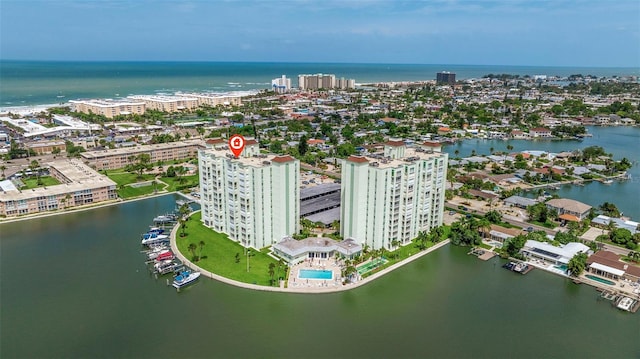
(621, 286)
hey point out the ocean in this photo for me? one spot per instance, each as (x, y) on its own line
(28, 83)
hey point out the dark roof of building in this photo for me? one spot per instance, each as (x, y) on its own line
(319, 190)
(326, 217)
(319, 204)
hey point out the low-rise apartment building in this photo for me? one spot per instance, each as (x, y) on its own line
(80, 185)
(167, 103)
(120, 157)
(109, 108)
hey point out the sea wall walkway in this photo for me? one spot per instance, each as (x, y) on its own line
(188, 263)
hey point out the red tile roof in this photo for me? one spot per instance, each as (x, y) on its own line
(357, 159)
(394, 143)
(432, 144)
(251, 142)
(283, 159)
(215, 141)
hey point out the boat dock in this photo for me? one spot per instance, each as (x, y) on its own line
(518, 267)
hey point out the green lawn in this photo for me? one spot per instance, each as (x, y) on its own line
(32, 182)
(174, 184)
(405, 252)
(125, 178)
(218, 254)
(129, 192)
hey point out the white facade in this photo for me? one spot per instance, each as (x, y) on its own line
(394, 196)
(253, 199)
(281, 85)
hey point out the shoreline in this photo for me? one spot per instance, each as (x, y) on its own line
(307, 290)
(82, 208)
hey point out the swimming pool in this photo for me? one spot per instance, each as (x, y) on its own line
(601, 280)
(315, 274)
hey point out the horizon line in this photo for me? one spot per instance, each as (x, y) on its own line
(309, 62)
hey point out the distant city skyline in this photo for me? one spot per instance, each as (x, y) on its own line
(498, 32)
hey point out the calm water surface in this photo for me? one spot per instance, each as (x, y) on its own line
(621, 141)
(74, 286)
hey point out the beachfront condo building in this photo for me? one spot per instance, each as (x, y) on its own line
(445, 78)
(254, 199)
(109, 108)
(164, 103)
(388, 198)
(281, 85)
(324, 81)
(213, 99)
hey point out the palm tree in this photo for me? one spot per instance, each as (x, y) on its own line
(456, 152)
(201, 245)
(394, 243)
(485, 226)
(3, 168)
(183, 226)
(34, 166)
(272, 271)
(192, 248)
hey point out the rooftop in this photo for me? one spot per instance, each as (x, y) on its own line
(410, 155)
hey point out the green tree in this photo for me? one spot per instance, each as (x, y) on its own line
(34, 166)
(2, 169)
(272, 271)
(192, 249)
(493, 216)
(303, 146)
(577, 264)
(201, 246)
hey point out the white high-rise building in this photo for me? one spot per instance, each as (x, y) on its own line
(393, 196)
(281, 85)
(255, 199)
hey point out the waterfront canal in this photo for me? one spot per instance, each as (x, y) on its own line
(620, 141)
(75, 286)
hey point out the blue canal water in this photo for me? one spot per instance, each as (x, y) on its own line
(75, 286)
(620, 141)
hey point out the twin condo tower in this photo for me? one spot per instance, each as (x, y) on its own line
(387, 198)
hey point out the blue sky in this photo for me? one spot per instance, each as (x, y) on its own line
(501, 32)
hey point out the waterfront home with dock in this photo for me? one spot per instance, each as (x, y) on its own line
(549, 253)
(607, 264)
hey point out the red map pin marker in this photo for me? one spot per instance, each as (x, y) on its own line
(236, 145)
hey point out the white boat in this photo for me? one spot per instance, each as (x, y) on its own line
(165, 267)
(607, 181)
(185, 278)
(626, 303)
(152, 238)
(154, 252)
